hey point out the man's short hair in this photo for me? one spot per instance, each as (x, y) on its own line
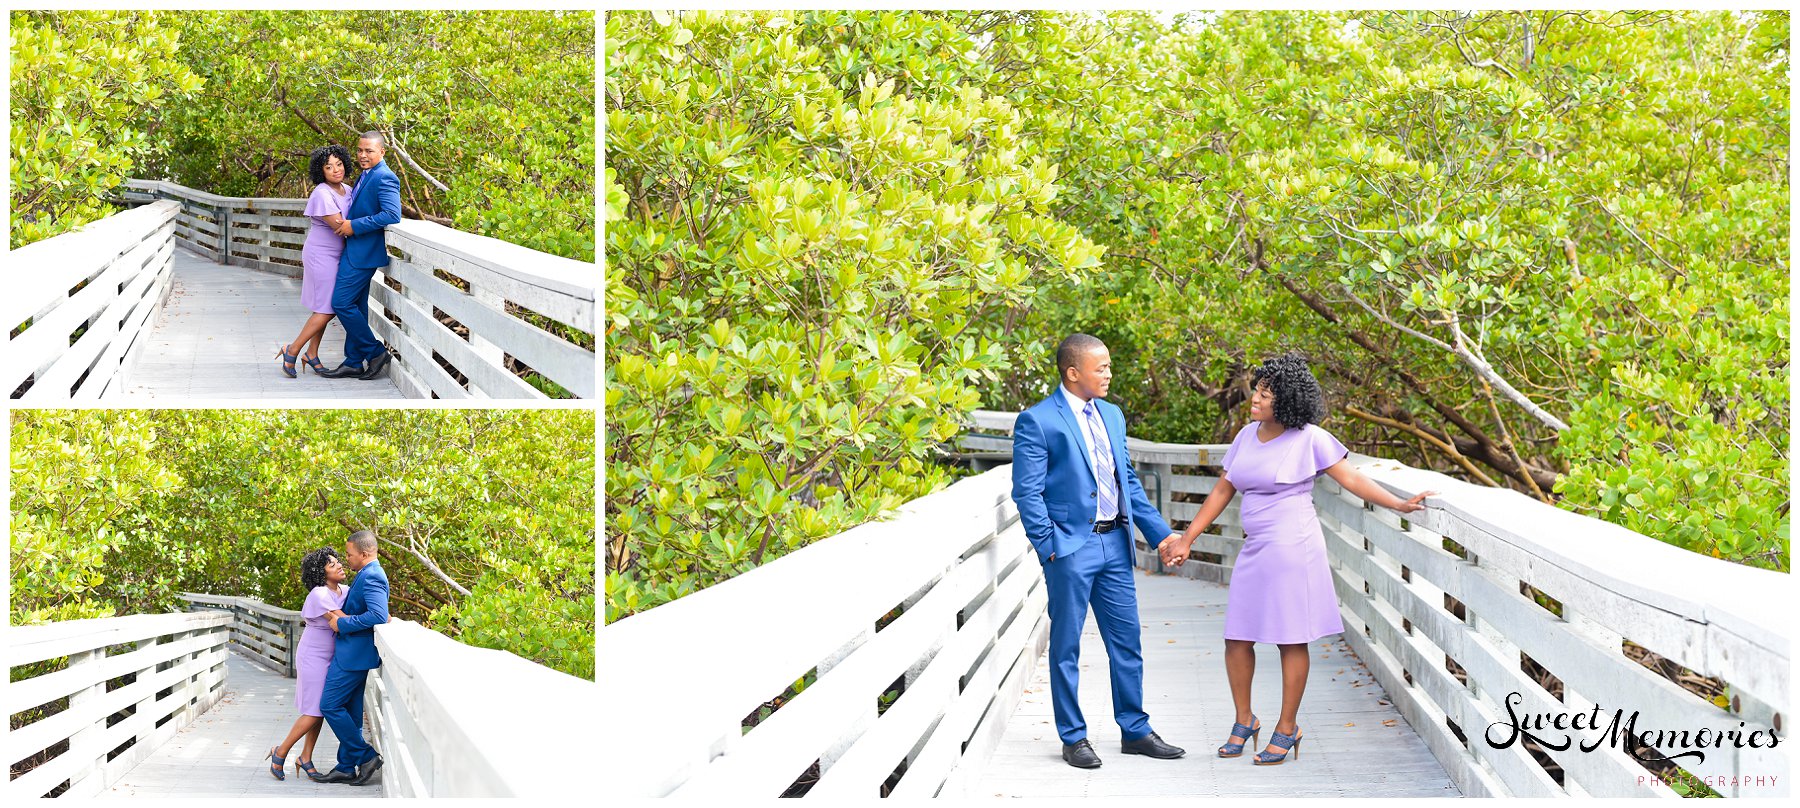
(1071, 349)
(364, 540)
(379, 138)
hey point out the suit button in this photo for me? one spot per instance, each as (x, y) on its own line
(1093, 494)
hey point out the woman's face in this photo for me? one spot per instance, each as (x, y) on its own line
(334, 169)
(1262, 403)
(334, 572)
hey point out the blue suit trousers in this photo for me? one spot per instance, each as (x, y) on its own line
(350, 300)
(342, 704)
(1098, 575)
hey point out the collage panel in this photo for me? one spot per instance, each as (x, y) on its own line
(399, 203)
(1165, 403)
(362, 564)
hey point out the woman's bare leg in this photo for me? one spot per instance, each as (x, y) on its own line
(1240, 669)
(313, 331)
(302, 725)
(1295, 664)
(318, 334)
(312, 738)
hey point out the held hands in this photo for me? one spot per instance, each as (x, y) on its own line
(344, 229)
(332, 616)
(1174, 550)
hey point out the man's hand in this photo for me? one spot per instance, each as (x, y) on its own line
(1174, 550)
(344, 229)
(333, 618)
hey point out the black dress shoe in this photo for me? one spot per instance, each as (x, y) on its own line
(376, 366)
(366, 771)
(1153, 746)
(1081, 755)
(337, 776)
(341, 371)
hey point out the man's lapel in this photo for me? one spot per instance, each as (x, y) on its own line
(1073, 421)
(351, 199)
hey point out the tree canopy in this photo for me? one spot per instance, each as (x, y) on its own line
(1543, 249)
(485, 517)
(490, 113)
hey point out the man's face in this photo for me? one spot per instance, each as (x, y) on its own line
(355, 558)
(369, 152)
(1092, 374)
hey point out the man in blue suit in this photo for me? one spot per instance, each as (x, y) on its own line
(1078, 499)
(373, 205)
(365, 607)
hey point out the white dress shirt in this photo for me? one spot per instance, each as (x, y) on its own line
(1096, 444)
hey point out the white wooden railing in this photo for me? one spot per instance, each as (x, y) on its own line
(486, 286)
(1400, 583)
(103, 281)
(972, 625)
(453, 720)
(265, 633)
(178, 665)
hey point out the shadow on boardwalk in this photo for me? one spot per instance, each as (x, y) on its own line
(221, 753)
(1356, 744)
(217, 335)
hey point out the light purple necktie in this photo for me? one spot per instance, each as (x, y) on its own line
(1103, 464)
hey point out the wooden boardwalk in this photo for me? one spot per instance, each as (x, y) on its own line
(1355, 745)
(221, 754)
(217, 335)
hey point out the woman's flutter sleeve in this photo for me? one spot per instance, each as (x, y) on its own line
(323, 202)
(1231, 451)
(1318, 451)
(318, 602)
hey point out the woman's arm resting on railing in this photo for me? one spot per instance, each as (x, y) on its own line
(1175, 551)
(1359, 484)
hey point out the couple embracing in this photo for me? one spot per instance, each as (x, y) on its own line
(345, 246)
(334, 657)
(1078, 499)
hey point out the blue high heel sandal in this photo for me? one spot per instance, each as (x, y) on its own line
(1231, 750)
(287, 361)
(307, 766)
(314, 363)
(1290, 748)
(276, 768)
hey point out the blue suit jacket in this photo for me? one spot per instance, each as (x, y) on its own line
(374, 205)
(1053, 478)
(364, 608)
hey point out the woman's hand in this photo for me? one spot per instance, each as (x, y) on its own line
(1417, 503)
(1174, 550)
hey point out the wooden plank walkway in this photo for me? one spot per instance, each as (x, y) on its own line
(217, 334)
(1356, 743)
(221, 753)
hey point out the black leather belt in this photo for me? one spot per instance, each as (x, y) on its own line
(1109, 525)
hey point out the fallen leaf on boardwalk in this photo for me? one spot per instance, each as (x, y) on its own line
(1351, 724)
(1340, 670)
(1388, 723)
(1171, 642)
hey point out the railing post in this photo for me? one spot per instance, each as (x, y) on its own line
(86, 742)
(222, 215)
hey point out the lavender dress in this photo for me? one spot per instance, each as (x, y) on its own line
(317, 644)
(1281, 588)
(319, 256)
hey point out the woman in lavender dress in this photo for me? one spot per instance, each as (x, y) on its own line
(1281, 588)
(319, 256)
(323, 575)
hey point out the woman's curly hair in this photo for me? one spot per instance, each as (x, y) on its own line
(312, 567)
(315, 169)
(1298, 400)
